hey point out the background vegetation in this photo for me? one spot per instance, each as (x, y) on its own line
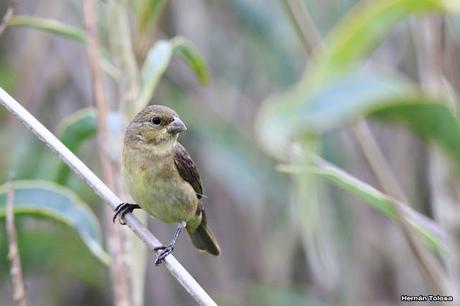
(326, 134)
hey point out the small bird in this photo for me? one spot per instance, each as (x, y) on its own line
(163, 179)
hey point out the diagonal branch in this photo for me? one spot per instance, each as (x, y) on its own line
(174, 267)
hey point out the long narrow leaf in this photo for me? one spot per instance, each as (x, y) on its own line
(65, 31)
(363, 29)
(192, 57)
(382, 96)
(49, 25)
(431, 234)
(49, 200)
(352, 39)
(158, 60)
(148, 12)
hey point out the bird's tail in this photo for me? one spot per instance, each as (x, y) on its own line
(203, 238)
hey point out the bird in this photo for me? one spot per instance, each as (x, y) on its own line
(162, 178)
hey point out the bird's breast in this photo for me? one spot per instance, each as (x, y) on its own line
(155, 184)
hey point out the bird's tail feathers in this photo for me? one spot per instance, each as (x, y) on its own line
(203, 237)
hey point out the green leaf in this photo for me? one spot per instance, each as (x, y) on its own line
(281, 121)
(356, 35)
(187, 50)
(148, 12)
(74, 131)
(430, 233)
(351, 39)
(49, 25)
(155, 65)
(46, 199)
(158, 59)
(429, 119)
(383, 96)
(66, 31)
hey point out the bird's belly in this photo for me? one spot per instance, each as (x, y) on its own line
(165, 196)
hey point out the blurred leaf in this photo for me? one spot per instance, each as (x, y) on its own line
(387, 98)
(46, 199)
(280, 121)
(66, 31)
(148, 12)
(431, 234)
(356, 35)
(429, 119)
(383, 96)
(158, 60)
(155, 65)
(187, 50)
(49, 25)
(74, 131)
(352, 39)
(54, 251)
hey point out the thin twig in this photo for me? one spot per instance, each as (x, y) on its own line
(379, 166)
(119, 269)
(19, 291)
(176, 269)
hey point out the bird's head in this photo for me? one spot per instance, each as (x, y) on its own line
(157, 125)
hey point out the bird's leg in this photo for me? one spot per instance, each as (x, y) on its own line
(122, 209)
(167, 249)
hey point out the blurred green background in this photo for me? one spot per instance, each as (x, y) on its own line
(272, 92)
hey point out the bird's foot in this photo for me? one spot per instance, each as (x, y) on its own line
(122, 209)
(164, 251)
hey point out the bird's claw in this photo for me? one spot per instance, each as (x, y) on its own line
(165, 251)
(121, 210)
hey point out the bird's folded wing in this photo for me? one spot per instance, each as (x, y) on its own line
(187, 168)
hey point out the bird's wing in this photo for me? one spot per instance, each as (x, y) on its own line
(187, 169)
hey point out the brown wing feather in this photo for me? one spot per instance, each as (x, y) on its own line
(187, 169)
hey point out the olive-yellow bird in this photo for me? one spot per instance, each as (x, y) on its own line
(163, 179)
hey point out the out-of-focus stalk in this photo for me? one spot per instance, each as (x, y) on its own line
(115, 236)
(120, 39)
(128, 91)
(19, 291)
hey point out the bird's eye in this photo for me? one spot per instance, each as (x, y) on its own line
(156, 120)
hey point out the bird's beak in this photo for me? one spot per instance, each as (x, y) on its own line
(176, 126)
